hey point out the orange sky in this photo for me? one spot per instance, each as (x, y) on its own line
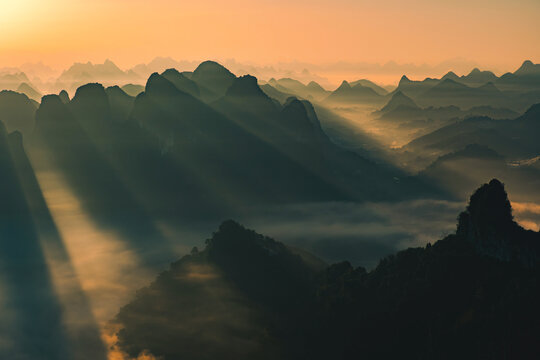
(498, 34)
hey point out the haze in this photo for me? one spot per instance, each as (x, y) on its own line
(60, 32)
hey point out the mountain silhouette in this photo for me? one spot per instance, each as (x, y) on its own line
(17, 112)
(399, 99)
(13, 81)
(29, 91)
(311, 91)
(295, 131)
(370, 84)
(477, 77)
(133, 89)
(471, 293)
(64, 96)
(107, 73)
(181, 82)
(213, 80)
(358, 93)
(513, 139)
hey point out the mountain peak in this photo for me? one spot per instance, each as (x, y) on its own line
(64, 96)
(89, 89)
(488, 221)
(533, 113)
(245, 86)
(403, 79)
(315, 86)
(397, 100)
(490, 202)
(450, 75)
(528, 68)
(212, 67)
(344, 85)
(157, 84)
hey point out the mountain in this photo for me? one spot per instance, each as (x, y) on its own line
(64, 96)
(212, 79)
(192, 132)
(516, 91)
(35, 327)
(295, 131)
(528, 68)
(514, 139)
(17, 112)
(107, 73)
(247, 296)
(459, 172)
(450, 92)
(413, 88)
(181, 82)
(403, 113)
(12, 81)
(104, 161)
(489, 226)
(398, 99)
(526, 78)
(120, 103)
(274, 93)
(160, 64)
(312, 91)
(478, 78)
(357, 94)
(29, 91)
(133, 89)
(451, 75)
(316, 90)
(462, 170)
(250, 292)
(370, 84)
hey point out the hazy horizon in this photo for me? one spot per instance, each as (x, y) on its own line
(329, 74)
(265, 33)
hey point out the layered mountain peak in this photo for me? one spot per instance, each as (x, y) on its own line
(489, 206)
(92, 90)
(489, 226)
(533, 113)
(29, 91)
(212, 79)
(528, 68)
(50, 101)
(158, 85)
(397, 100)
(245, 86)
(450, 75)
(181, 82)
(315, 86)
(209, 68)
(344, 86)
(232, 237)
(64, 96)
(91, 99)
(404, 79)
(52, 112)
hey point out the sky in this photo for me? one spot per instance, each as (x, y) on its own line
(498, 34)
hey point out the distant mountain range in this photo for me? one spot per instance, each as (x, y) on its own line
(200, 145)
(402, 111)
(516, 91)
(513, 138)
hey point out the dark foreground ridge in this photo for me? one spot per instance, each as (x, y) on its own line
(473, 294)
